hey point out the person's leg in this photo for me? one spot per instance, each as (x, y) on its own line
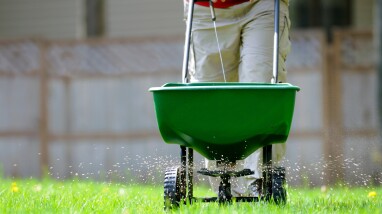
(256, 65)
(257, 43)
(205, 63)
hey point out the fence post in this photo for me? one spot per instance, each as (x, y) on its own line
(44, 120)
(333, 145)
(378, 26)
(378, 38)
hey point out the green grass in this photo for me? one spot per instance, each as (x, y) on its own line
(49, 196)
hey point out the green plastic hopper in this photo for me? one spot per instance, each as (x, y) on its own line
(224, 121)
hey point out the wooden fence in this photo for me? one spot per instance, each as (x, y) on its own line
(82, 108)
(351, 105)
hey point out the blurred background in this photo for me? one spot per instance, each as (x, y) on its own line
(75, 74)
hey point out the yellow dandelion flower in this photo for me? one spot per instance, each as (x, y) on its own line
(372, 194)
(14, 187)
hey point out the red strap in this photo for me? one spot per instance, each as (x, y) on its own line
(219, 4)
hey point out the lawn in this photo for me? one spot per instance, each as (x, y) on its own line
(50, 196)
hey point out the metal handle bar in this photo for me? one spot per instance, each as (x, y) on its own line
(276, 42)
(186, 54)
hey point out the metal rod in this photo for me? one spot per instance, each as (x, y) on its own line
(183, 167)
(237, 199)
(190, 173)
(276, 43)
(267, 171)
(212, 9)
(187, 41)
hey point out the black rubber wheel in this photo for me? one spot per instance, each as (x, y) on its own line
(172, 188)
(278, 188)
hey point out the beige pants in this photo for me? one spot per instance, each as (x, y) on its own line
(245, 34)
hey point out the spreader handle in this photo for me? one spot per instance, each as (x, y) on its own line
(187, 41)
(188, 36)
(276, 42)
